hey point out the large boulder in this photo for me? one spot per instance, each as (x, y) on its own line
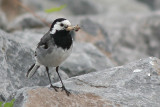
(135, 84)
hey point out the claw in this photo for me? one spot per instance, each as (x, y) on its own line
(67, 92)
(64, 89)
(55, 88)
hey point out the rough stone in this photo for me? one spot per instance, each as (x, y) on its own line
(80, 7)
(149, 30)
(94, 33)
(25, 21)
(27, 37)
(154, 4)
(3, 20)
(134, 34)
(139, 35)
(122, 55)
(134, 84)
(157, 4)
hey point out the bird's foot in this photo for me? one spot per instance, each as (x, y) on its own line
(55, 88)
(64, 89)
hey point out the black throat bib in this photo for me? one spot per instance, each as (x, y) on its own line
(63, 39)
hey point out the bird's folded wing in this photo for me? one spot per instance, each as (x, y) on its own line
(45, 40)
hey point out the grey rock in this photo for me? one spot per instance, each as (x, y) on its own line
(2, 98)
(80, 7)
(123, 37)
(3, 20)
(25, 21)
(132, 85)
(15, 60)
(149, 30)
(89, 26)
(139, 35)
(96, 30)
(149, 3)
(27, 37)
(118, 7)
(54, 75)
(154, 4)
(122, 55)
(34, 5)
(84, 59)
(157, 4)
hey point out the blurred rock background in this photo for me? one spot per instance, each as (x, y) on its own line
(122, 30)
(113, 33)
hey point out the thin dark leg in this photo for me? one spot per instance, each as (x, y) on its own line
(63, 87)
(30, 70)
(50, 80)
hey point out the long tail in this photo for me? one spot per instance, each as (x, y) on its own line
(32, 70)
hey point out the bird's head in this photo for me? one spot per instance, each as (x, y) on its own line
(60, 24)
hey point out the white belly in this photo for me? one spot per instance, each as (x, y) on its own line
(53, 58)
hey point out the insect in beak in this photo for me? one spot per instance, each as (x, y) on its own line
(70, 28)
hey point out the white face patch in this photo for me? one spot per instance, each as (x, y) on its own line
(58, 26)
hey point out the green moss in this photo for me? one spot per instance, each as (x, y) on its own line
(1, 104)
(8, 104)
(55, 9)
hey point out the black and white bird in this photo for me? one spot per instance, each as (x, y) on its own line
(54, 48)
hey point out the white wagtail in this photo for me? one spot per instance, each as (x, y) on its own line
(54, 47)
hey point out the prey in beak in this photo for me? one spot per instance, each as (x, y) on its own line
(71, 28)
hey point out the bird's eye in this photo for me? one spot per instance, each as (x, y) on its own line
(62, 24)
